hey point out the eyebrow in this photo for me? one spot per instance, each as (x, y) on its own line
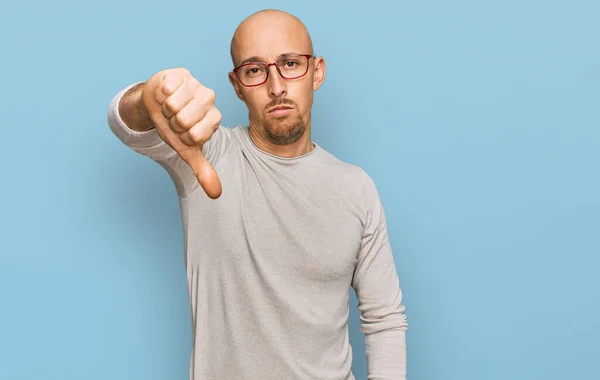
(255, 59)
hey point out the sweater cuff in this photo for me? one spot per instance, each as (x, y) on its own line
(128, 136)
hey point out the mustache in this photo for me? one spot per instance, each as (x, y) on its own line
(280, 102)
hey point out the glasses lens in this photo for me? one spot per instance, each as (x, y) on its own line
(293, 67)
(252, 74)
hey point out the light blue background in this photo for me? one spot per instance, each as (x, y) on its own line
(479, 122)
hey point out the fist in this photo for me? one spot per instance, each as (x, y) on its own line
(184, 114)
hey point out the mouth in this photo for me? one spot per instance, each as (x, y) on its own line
(280, 110)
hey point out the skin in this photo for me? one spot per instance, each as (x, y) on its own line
(183, 111)
(267, 35)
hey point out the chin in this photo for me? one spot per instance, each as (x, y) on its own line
(284, 130)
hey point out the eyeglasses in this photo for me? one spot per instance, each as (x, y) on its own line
(289, 67)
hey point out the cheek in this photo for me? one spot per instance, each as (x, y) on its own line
(255, 101)
(304, 100)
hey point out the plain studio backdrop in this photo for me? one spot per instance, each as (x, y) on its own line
(479, 122)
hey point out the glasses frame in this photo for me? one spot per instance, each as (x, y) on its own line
(307, 56)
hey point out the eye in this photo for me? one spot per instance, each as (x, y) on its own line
(253, 70)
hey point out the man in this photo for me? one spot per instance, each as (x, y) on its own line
(277, 230)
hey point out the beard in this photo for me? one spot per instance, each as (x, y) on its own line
(283, 130)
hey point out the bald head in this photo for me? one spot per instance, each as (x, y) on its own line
(269, 31)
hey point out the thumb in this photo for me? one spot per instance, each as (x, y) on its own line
(206, 175)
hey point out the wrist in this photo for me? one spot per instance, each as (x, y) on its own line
(133, 111)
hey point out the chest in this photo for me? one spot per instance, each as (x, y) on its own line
(294, 223)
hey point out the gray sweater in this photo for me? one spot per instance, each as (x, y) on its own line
(270, 263)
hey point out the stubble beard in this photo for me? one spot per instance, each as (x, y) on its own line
(284, 130)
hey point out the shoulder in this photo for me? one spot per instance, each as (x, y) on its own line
(349, 178)
(343, 169)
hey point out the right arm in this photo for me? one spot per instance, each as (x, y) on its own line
(128, 123)
(132, 110)
(143, 114)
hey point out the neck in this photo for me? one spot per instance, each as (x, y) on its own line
(298, 148)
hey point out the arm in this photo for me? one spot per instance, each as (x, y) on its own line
(377, 287)
(128, 121)
(132, 110)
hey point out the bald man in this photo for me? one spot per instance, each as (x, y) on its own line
(277, 230)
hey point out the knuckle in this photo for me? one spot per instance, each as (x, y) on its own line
(182, 71)
(171, 105)
(206, 94)
(218, 117)
(198, 135)
(183, 120)
(193, 81)
(210, 93)
(168, 86)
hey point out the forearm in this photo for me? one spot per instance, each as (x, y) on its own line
(386, 354)
(132, 111)
(383, 320)
(382, 312)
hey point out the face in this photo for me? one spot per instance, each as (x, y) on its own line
(278, 109)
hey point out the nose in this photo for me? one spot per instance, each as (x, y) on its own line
(276, 84)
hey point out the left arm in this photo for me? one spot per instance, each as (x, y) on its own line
(377, 287)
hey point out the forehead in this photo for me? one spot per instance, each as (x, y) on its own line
(267, 39)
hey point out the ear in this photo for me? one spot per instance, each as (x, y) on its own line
(319, 73)
(236, 86)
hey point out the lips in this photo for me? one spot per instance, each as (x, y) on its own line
(279, 108)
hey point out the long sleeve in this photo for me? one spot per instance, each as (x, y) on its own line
(150, 144)
(377, 286)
